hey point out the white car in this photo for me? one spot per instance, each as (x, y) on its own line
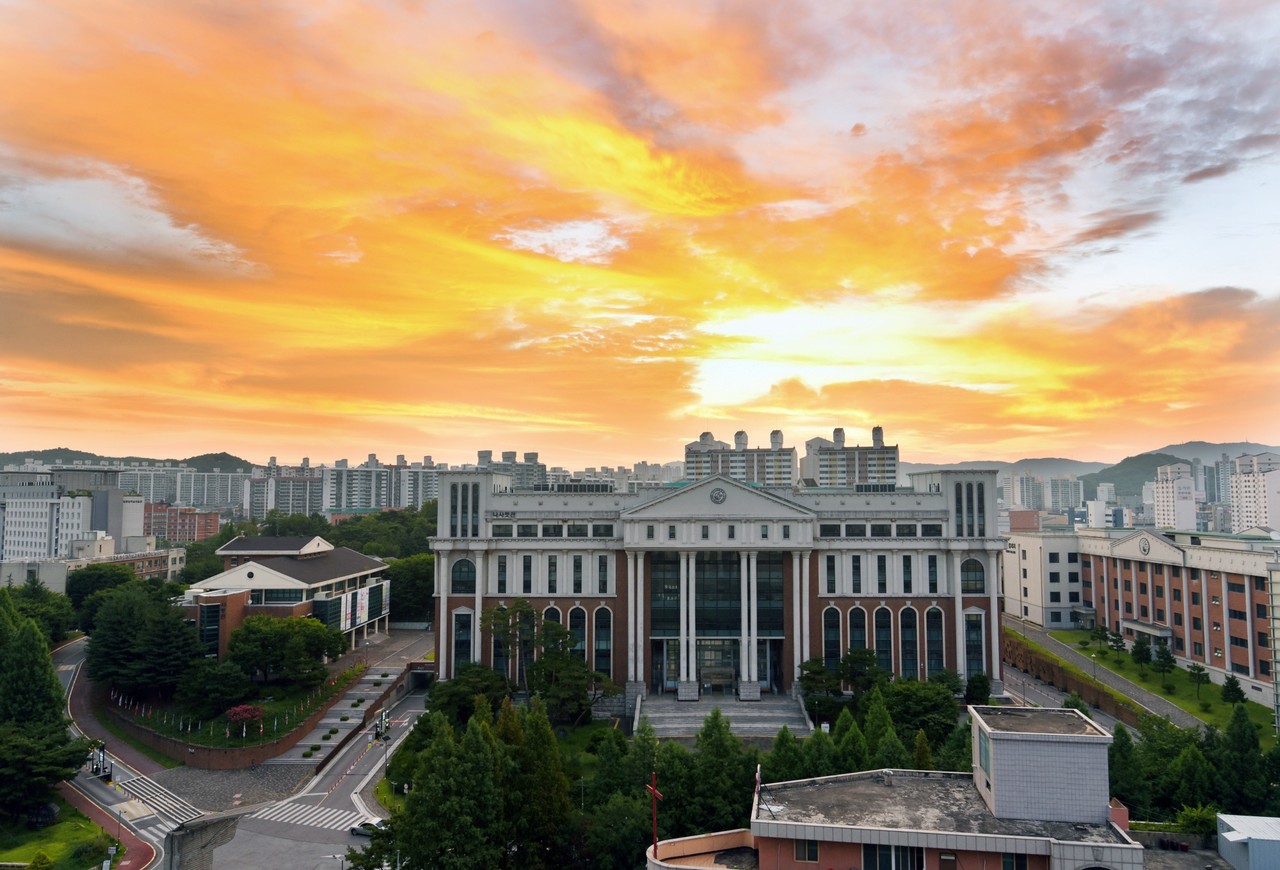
(368, 826)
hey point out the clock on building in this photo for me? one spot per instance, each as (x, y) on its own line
(1145, 546)
(718, 495)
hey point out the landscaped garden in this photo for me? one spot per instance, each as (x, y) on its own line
(70, 843)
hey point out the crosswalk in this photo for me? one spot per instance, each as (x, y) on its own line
(311, 816)
(164, 802)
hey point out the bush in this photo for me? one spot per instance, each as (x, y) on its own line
(333, 730)
(343, 718)
(325, 736)
(377, 682)
(385, 675)
(306, 753)
(315, 747)
(1206, 706)
(355, 703)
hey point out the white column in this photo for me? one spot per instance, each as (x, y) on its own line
(641, 599)
(962, 665)
(444, 617)
(993, 593)
(796, 580)
(804, 603)
(684, 618)
(753, 609)
(631, 617)
(744, 621)
(693, 616)
(482, 578)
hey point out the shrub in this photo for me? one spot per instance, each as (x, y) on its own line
(315, 747)
(377, 682)
(385, 675)
(1206, 706)
(355, 703)
(306, 753)
(343, 718)
(333, 730)
(325, 736)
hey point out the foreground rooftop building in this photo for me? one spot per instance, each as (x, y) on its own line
(1036, 799)
(669, 589)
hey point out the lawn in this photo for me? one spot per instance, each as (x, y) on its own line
(1180, 691)
(72, 843)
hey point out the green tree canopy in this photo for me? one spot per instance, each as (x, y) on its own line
(83, 582)
(914, 705)
(275, 647)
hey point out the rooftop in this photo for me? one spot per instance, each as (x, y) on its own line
(911, 800)
(1038, 720)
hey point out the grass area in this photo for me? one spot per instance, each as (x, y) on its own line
(72, 843)
(391, 801)
(1177, 688)
(1123, 700)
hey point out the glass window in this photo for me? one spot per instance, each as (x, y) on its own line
(931, 530)
(671, 533)
(706, 533)
(884, 639)
(806, 850)
(786, 532)
(578, 629)
(1054, 557)
(829, 530)
(552, 530)
(463, 578)
(577, 530)
(602, 575)
(906, 573)
(604, 642)
(831, 574)
(718, 594)
(602, 530)
(461, 639)
(857, 575)
(502, 530)
(648, 533)
(909, 643)
(857, 628)
(831, 639)
(855, 530)
(882, 574)
(933, 575)
(764, 532)
(527, 530)
(502, 575)
(974, 658)
(551, 574)
(933, 641)
(881, 530)
(972, 577)
(733, 532)
(905, 530)
(526, 578)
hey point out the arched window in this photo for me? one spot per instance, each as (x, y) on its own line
(551, 614)
(463, 579)
(972, 577)
(909, 644)
(857, 628)
(578, 628)
(831, 639)
(933, 641)
(884, 639)
(604, 642)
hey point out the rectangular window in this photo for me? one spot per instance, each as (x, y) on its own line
(875, 857)
(933, 575)
(671, 533)
(1010, 861)
(1175, 571)
(807, 850)
(1054, 557)
(1197, 649)
(733, 532)
(706, 533)
(1159, 615)
(527, 530)
(577, 530)
(1177, 644)
(831, 575)
(829, 530)
(461, 639)
(906, 574)
(905, 530)
(786, 532)
(1143, 611)
(1239, 641)
(764, 532)
(648, 533)
(602, 530)
(1237, 614)
(1215, 600)
(552, 530)
(577, 575)
(1261, 610)
(1055, 616)
(1235, 587)
(1128, 586)
(1195, 598)
(502, 575)
(551, 574)
(1055, 597)
(882, 574)
(857, 575)
(855, 530)
(502, 530)
(1128, 608)
(1073, 597)
(1073, 557)
(1196, 624)
(1259, 584)
(1159, 592)
(527, 578)
(1177, 618)
(602, 575)
(1263, 639)
(1142, 588)
(931, 530)
(1177, 594)
(881, 530)
(1054, 577)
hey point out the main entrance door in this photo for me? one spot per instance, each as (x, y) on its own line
(718, 664)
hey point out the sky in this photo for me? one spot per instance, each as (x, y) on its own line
(594, 229)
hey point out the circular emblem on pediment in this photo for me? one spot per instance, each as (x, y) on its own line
(1145, 546)
(718, 495)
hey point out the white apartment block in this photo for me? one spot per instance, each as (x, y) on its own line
(774, 465)
(1255, 492)
(1106, 492)
(43, 528)
(1175, 497)
(1025, 491)
(1042, 581)
(835, 463)
(1061, 494)
(362, 488)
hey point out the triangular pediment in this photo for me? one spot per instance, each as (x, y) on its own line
(1147, 546)
(250, 575)
(719, 498)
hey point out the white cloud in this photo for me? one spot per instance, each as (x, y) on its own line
(585, 241)
(97, 211)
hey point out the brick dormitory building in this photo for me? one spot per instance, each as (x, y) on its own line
(671, 588)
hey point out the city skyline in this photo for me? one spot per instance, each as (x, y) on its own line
(601, 229)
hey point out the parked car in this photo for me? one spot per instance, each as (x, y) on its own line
(368, 826)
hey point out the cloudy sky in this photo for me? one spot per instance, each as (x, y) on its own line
(597, 228)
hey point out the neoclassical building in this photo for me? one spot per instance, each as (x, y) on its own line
(721, 583)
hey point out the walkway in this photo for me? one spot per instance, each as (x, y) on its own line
(1147, 699)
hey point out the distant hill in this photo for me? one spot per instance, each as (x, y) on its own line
(1128, 474)
(67, 456)
(1040, 467)
(1209, 452)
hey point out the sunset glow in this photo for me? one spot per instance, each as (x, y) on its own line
(594, 229)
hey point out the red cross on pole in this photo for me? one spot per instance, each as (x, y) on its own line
(654, 797)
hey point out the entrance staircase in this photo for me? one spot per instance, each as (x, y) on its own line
(755, 719)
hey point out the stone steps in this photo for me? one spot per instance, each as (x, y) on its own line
(763, 718)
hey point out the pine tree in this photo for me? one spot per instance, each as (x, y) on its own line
(542, 820)
(724, 776)
(820, 757)
(923, 758)
(1232, 693)
(852, 750)
(1128, 781)
(1244, 783)
(785, 761)
(1195, 778)
(891, 753)
(878, 722)
(844, 722)
(957, 752)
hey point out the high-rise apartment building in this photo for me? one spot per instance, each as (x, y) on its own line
(835, 463)
(1255, 491)
(1175, 497)
(774, 465)
(1061, 494)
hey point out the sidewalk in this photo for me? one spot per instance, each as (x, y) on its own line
(138, 853)
(82, 715)
(1149, 700)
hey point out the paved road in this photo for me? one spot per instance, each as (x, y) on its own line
(1031, 691)
(1145, 698)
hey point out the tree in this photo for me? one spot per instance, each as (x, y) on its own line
(1141, 654)
(1231, 691)
(922, 758)
(1101, 635)
(723, 776)
(949, 678)
(821, 757)
(618, 831)
(891, 753)
(915, 705)
(542, 820)
(1075, 702)
(83, 582)
(456, 698)
(957, 752)
(1194, 777)
(1128, 780)
(209, 687)
(30, 694)
(785, 761)
(412, 587)
(1243, 774)
(852, 750)
(1198, 820)
(861, 670)
(561, 676)
(1198, 675)
(1116, 642)
(1163, 664)
(978, 689)
(166, 649)
(274, 646)
(51, 611)
(878, 722)
(111, 656)
(820, 685)
(41, 861)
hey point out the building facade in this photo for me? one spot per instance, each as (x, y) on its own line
(774, 465)
(662, 587)
(1175, 497)
(835, 463)
(1255, 491)
(179, 525)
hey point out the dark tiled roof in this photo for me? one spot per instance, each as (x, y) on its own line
(323, 567)
(280, 544)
